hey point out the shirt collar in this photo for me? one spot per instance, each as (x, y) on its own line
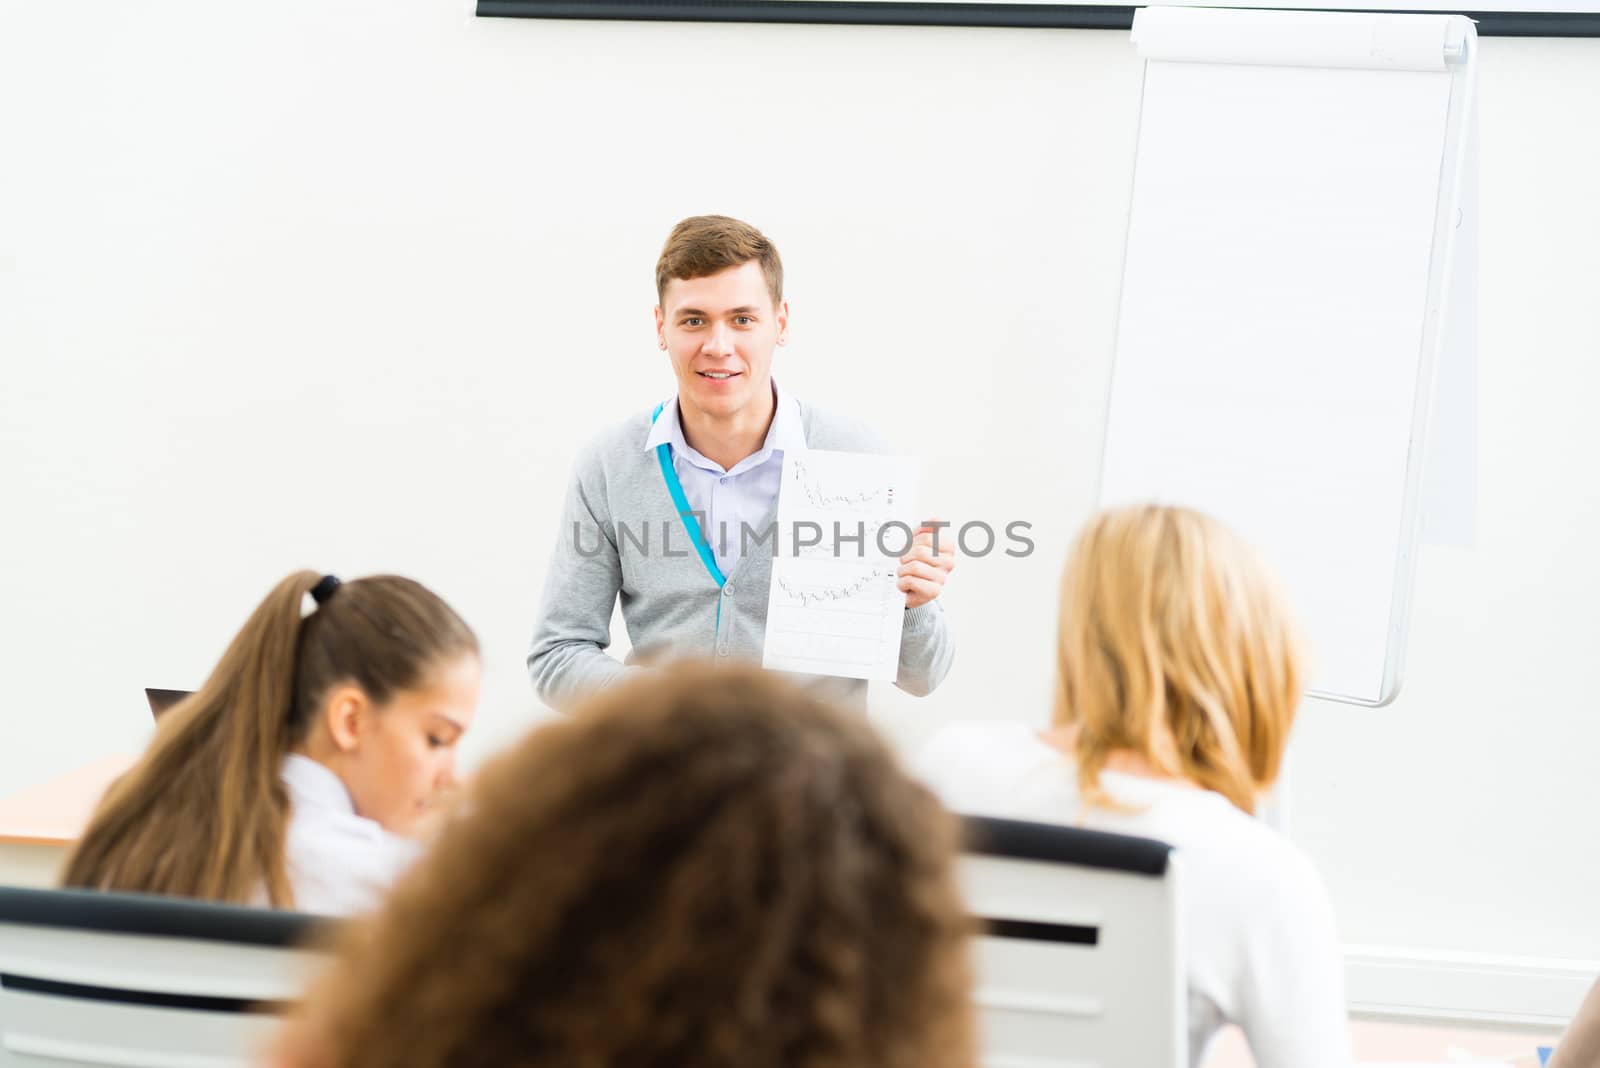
(786, 432)
(314, 785)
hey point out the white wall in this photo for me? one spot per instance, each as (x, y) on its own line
(344, 286)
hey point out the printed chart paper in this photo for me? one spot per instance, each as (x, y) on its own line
(844, 521)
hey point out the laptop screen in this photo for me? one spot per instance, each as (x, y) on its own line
(161, 700)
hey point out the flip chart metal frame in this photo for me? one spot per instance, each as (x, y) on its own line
(1461, 63)
(1444, 258)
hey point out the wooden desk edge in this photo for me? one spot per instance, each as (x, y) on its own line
(70, 798)
(36, 840)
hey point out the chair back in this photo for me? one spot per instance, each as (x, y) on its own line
(143, 981)
(1081, 962)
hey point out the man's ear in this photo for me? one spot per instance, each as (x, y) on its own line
(661, 322)
(783, 321)
(346, 713)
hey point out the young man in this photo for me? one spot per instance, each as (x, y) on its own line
(674, 508)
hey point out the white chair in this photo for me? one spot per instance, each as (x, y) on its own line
(1081, 959)
(140, 981)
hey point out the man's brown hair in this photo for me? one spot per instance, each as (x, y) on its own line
(705, 244)
(702, 868)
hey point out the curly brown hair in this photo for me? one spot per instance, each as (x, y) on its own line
(704, 867)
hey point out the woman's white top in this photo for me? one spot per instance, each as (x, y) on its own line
(1262, 950)
(339, 863)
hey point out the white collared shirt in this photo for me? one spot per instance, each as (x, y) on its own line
(339, 863)
(729, 499)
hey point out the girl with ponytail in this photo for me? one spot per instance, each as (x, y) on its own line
(291, 777)
(1178, 670)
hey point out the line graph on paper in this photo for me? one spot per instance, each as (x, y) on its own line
(822, 624)
(835, 607)
(824, 495)
(795, 591)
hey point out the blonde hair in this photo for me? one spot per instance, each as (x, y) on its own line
(1176, 643)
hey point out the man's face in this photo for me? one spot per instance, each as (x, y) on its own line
(720, 331)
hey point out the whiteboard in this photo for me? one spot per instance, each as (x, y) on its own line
(1294, 206)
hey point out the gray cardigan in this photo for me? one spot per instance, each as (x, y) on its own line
(621, 536)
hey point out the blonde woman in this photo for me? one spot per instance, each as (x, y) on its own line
(1178, 673)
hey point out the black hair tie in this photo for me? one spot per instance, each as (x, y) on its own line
(324, 588)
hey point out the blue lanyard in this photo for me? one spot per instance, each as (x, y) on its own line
(670, 475)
